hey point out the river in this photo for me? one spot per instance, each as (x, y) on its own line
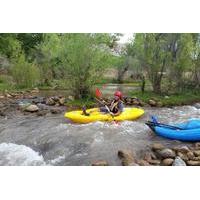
(53, 140)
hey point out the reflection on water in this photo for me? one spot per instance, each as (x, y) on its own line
(107, 90)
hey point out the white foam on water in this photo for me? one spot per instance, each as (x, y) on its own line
(57, 160)
(62, 127)
(19, 155)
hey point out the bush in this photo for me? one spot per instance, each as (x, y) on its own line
(25, 74)
(6, 82)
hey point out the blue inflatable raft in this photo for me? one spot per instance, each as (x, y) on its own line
(187, 131)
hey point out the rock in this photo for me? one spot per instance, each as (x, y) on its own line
(196, 153)
(2, 113)
(42, 113)
(197, 105)
(126, 156)
(50, 102)
(182, 156)
(167, 161)
(196, 158)
(167, 153)
(62, 101)
(71, 98)
(8, 95)
(152, 102)
(157, 146)
(2, 97)
(159, 104)
(190, 155)
(183, 149)
(56, 111)
(143, 163)
(35, 90)
(197, 145)
(178, 162)
(193, 163)
(31, 108)
(154, 162)
(149, 156)
(166, 97)
(100, 163)
(42, 106)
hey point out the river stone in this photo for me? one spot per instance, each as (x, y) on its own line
(50, 102)
(190, 155)
(62, 101)
(197, 145)
(193, 163)
(32, 108)
(2, 113)
(42, 112)
(196, 153)
(152, 102)
(56, 111)
(182, 156)
(183, 149)
(167, 161)
(167, 153)
(178, 162)
(157, 146)
(8, 95)
(127, 157)
(2, 97)
(100, 163)
(154, 162)
(143, 163)
(149, 156)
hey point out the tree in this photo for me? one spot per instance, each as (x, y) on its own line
(84, 61)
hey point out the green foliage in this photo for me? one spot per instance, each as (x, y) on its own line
(24, 74)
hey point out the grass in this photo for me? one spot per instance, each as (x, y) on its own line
(184, 98)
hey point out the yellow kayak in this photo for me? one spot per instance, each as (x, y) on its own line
(96, 115)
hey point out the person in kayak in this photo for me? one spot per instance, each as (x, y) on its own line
(116, 107)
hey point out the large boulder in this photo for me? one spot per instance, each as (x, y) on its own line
(166, 153)
(178, 162)
(32, 108)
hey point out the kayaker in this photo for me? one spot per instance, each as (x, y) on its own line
(116, 107)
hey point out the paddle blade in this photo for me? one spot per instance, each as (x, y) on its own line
(98, 93)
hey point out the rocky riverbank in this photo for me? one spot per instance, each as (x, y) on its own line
(159, 155)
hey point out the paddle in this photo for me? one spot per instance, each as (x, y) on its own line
(154, 122)
(99, 96)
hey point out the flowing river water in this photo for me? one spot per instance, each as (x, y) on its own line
(53, 140)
